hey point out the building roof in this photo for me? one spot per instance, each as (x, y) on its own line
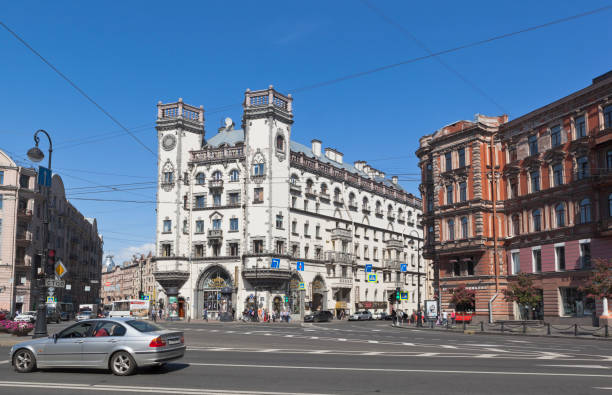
(228, 137)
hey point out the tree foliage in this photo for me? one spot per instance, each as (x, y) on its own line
(522, 292)
(600, 285)
(464, 299)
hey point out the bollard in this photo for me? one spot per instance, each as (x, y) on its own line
(575, 329)
(432, 324)
(524, 327)
(502, 328)
(606, 330)
(548, 329)
(482, 326)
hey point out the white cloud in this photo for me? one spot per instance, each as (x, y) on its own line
(126, 253)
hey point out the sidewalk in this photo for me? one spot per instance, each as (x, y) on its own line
(8, 340)
(542, 330)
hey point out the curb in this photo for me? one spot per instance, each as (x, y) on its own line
(477, 332)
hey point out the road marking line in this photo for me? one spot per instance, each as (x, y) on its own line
(372, 353)
(267, 334)
(486, 356)
(229, 331)
(435, 371)
(341, 340)
(408, 344)
(427, 354)
(448, 346)
(120, 388)
(270, 350)
(579, 366)
(495, 349)
(219, 349)
(288, 335)
(3, 362)
(314, 337)
(319, 352)
(373, 341)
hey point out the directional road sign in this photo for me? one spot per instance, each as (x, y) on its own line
(300, 266)
(275, 264)
(60, 269)
(368, 268)
(404, 267)
(50, 282)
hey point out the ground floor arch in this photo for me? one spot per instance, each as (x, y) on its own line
(214, 292)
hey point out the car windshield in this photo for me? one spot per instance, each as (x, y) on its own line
(85, 312)
(143, 326)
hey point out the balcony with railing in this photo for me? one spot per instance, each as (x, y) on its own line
(215, 183)
(23, 237)
(340, 282)
(24, 213)
(394, 244)
(366, 209)
(392, 264)
(215, 234)
(339, 257)
(342, 234)
(295, 187)
(214, 154)
(324, 195)
(180, 110)
(170, 273)
(338, 200)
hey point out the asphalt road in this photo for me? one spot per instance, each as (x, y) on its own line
(345, 358)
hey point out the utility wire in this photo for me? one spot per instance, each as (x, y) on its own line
(75, 86)
(437, 58)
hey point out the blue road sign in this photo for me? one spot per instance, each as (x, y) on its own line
(300, 266)
(44, 176)
(404, 267)
(371, 278)
(275, 264)
(368, 268)
(404, 295)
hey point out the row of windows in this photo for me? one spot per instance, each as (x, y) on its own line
(234, 176)
(559, 255)
(460, 159)
(199, 225)
(451, 228)
(560, 216)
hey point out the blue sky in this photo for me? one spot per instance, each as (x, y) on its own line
(130, 55)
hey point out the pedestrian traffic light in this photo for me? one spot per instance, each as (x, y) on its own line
(50, 265)
(397, 294)
(140, 295)
(286, 299)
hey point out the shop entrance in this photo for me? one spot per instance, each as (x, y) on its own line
(214, 292)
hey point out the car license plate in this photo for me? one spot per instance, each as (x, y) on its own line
(175, 340)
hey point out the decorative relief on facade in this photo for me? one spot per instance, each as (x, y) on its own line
(168, 176)
(169, 142)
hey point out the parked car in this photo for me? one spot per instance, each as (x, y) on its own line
(385, 316)
(319, 316)
(101, 344)
(84, 315)
(26, 316)
(360, 316)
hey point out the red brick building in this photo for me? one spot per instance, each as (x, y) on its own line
(547, 175)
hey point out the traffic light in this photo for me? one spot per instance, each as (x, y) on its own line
(140, 295)
(36, 267)
(391, 298)
(397, 294)
(50, 265)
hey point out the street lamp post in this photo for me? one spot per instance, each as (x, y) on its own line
(419, 313)
(36, 155)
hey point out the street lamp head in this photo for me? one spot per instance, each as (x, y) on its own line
(35, 154)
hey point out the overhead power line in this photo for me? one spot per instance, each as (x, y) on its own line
(437, 58)
(78, 89)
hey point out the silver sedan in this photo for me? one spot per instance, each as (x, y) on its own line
(118, 344)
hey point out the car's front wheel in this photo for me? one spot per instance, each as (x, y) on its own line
(24, 361)
(122, 363)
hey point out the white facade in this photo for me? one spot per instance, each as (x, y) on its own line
(230, 203)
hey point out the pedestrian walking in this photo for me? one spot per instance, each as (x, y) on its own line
(205, 314)
(394, 317)
(444, 317)
(453, 317)
(154, 315)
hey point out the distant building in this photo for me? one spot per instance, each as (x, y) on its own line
(74, 238)
(551, 171)
(126, 281)
(241, 210)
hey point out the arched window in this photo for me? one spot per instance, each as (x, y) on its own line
(536, 216)
(280, 143)
(309, 185)
(234, 175)
(449, 194)
(200, 178)
(400, 214)
(379, 208)
(294, 179)
(351, 198)
(516, 225)
(324, 189)
(366, 206)
(582, 165)
(451, 229)
(464, 227)
(560, 214)
(337, 194)
(585, 211)
(390, 210)
(217, 175)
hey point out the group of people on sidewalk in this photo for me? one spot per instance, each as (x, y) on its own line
(400, 317)
(263, 315)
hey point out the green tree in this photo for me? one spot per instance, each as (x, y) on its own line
(523, 293)
(600, 285)
(464, 299)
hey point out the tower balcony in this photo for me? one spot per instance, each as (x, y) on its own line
(391, 264)
(267, 277)
(171, 274)
(215, 184)
(268, 102)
